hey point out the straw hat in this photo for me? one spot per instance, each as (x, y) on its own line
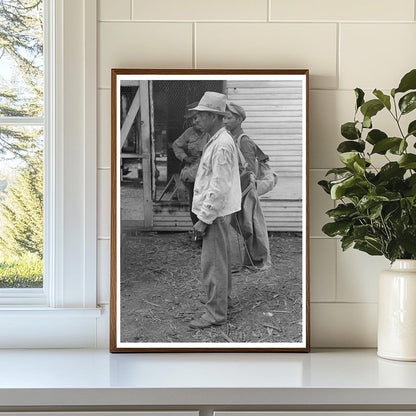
(213, 102)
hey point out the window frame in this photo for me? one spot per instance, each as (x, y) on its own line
(37, 296)
(67, 303)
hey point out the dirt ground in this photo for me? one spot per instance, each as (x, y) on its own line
(161, 293)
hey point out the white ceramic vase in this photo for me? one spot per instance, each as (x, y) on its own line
(397, 312)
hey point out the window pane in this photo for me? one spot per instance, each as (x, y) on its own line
(21, 146)
(21, 58)
(21, 207)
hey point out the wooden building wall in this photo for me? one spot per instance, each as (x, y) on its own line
(274, 122)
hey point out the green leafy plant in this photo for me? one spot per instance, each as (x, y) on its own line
(376, 210)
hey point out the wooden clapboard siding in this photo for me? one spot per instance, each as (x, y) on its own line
(283, 215)
(171, 216)
(274, 122)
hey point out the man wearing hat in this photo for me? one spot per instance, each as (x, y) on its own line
(217, 195)
(249, 222)
(188, 149)
(233, 119)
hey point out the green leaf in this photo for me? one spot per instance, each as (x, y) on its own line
(338, 171)
(399, 148)
(411, 183)
(367, 122)
(325, 186)
(375, 212)
(369, 201)
(411, 130)
(349, 146)
(359, 166)
(408, 161)
(338, 189)
(359, 94)
(353, 188)
(391, 170)
(374, 136)
(368, 248)
(342, 211)
(374, 242)
(408, 82)
(407, 239)
(385, 99)
(348, 158)
(336, 228)
(383, 145)
(408, 103)
(402, 147)
(411, 180)
(349, 131)
(360, 231)
(346, 242)
(371, 108)
(393, 250)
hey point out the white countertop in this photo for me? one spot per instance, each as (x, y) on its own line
(96, 377)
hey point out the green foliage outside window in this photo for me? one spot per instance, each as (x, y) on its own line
(21, 147)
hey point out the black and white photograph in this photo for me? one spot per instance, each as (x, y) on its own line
(209, 214)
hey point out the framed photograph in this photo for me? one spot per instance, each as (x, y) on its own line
(209, 211)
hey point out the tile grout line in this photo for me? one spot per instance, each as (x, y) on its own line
(269, 10)
(356, 302)
(131, 9)
(194, 62)
(254, 21)
(338, 63)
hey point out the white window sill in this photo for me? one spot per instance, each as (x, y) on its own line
(330, 379)
(36, 312)
(40, 327)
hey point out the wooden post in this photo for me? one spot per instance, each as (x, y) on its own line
(146, 152)
(153, 144)
(131, 115)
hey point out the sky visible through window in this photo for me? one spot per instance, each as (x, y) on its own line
(21, 143)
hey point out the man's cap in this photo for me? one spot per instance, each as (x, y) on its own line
(189, 112)
(236, 109)
(213, 102)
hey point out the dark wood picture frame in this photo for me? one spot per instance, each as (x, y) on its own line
(140, 99)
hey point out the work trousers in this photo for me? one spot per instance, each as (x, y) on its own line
(216, 269)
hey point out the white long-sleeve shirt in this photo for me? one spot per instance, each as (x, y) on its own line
(217, 191)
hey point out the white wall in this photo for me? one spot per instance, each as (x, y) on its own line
(345, 44)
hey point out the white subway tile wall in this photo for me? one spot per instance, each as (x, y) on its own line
(357, 275)
(353, 10)
(114, 10)
(104, 128)
(103, 270)
(270, 45)
(344, 44)
(200, 10)
(142, 45)
(104, 202)
(343, 325)
(375, 55)
(323, 268)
